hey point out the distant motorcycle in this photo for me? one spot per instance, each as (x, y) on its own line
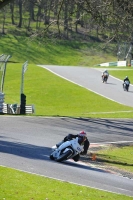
(66, 150)
(126, 86)
(105, 77)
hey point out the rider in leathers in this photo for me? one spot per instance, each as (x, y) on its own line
(82, 139)
(105, 72)
(126, 79)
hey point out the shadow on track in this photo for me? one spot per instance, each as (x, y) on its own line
(109, 126)
(110, 83)
(25, 150)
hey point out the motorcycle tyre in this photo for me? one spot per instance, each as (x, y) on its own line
(51, 157)
(64, 156)
(126, 88)
(105, 79)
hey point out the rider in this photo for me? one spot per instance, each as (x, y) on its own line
(105, 72)
(82, 139)
(126, 79)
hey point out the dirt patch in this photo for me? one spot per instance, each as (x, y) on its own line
(92, 159)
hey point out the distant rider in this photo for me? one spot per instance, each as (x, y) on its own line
(126, 79)
(82, 139)
(105, 72)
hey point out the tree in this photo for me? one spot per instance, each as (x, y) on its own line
(12, 12)
(20, 13)
(107, 20)
(4, 3)
(3, 23)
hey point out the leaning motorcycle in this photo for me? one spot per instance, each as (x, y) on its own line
(105, 78)
(126, 85)
(66, 150)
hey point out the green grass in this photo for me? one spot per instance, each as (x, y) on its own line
(121, 74)
(42, 51)
(119, 156)
(16, 185)
(54, 96)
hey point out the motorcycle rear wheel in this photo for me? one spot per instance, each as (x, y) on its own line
(64, 156)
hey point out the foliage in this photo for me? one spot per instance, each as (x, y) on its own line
(89, 19)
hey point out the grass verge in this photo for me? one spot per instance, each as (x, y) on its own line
(117, 157)
(20, 185)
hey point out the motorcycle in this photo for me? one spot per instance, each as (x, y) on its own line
(126, 85)
(66, 150)
(105, 77)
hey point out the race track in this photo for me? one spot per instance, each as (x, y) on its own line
(25, 142)
(90, 78)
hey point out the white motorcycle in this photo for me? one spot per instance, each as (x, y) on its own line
(66, 150)
(126, 85)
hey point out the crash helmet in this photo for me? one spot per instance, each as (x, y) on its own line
(83, 134)
(126, 76)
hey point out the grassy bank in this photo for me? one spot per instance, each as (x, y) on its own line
(20, 185)
(55, 52)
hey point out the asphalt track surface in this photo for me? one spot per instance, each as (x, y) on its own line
(25, 144)
(90, 78)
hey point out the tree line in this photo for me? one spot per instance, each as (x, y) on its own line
(107, 20)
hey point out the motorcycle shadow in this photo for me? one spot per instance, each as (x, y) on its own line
(130, 91)
(82, 166)
(111, 83)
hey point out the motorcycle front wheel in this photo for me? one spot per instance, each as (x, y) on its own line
(64, 156)
(51, 157)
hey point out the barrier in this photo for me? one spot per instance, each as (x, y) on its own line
(4, 108)
(30, 109)
(1, 102)
(117, 63)
(15, 109)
